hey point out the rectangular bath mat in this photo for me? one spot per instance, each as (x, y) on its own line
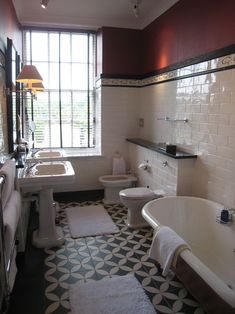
(117, 295)
(89, 220)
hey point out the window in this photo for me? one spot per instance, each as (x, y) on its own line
(64, 114)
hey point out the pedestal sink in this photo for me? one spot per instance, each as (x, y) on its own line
(42, 177)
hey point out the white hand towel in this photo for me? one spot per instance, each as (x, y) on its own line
(11, 216)
(8, 170)
(164, 246)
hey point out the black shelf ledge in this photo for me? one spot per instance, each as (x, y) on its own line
(155, 147)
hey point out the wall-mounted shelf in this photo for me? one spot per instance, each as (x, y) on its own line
(185, 120)
(156, 147)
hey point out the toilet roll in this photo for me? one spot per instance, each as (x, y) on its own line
(119, 165)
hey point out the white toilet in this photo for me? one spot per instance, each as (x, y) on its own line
(134, 199)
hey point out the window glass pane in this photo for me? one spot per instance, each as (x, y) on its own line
(54, 47)
(91, 50)
(46, 118)
(28, 45)
(54, 108)
(79, 76)
(67, 119)
(41, 119)
(65, 53)
(54, 79)
(80, 118)
(65, 77)
(39, 46)
(42, 68)
(79, 48)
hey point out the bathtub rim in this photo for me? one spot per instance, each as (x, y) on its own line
(195, 263)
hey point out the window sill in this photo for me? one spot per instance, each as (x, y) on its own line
(82, 152)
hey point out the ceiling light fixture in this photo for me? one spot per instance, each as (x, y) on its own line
(44, 4)
(135, 7)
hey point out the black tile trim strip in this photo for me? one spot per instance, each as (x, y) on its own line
(155, 147)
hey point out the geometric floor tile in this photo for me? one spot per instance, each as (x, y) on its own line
(98, 257)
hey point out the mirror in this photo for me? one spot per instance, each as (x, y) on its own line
(14, 99)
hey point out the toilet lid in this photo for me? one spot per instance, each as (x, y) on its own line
(137, 193)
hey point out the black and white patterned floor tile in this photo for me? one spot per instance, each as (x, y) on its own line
(95, 258)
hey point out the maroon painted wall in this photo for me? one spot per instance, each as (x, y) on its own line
(121, 51)
(189, 29)
(9, 25)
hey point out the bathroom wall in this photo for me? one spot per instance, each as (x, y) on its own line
(122, 51)
(9, 27)
(208, 102)
(189, 29)
(118, 121)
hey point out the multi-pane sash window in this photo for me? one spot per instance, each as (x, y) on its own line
(64, 114)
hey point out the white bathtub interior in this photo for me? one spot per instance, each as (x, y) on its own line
(194, 219)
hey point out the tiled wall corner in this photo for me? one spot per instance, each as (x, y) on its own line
(165, 173)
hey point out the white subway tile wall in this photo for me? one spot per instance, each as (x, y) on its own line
(208, 102)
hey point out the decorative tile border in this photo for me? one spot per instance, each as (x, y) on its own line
(213, 65)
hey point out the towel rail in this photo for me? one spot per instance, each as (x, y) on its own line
(166, 118)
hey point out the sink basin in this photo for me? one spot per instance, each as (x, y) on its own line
(47, 155)
(51, 169)
(47, 173)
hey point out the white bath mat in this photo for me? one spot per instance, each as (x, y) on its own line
(117, 295)
(89, 221)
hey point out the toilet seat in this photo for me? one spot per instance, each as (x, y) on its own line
(137, 193)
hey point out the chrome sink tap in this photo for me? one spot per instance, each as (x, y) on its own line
(35, 152)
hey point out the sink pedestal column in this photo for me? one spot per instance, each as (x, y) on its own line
(48, 234)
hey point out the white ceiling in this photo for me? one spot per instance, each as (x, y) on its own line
(90, 14)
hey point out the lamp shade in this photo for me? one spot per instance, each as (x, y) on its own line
(37, 87)
(29, 75)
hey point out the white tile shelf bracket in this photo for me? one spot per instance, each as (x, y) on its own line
(185, 120)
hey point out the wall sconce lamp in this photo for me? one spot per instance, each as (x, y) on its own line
(37, 87)
(32, 80)
(44, 4)
(29, 75)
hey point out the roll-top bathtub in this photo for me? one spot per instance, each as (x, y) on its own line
(209, 270)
